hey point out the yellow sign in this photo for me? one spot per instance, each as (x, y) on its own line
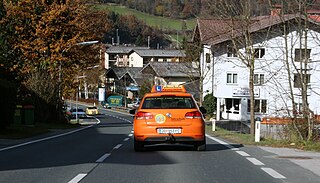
(168, 88)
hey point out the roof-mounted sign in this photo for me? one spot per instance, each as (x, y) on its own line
(168, 88)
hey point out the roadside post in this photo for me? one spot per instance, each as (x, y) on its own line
(213, 123)
(257, 130)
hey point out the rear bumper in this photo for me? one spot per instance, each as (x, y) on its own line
(170, 140)
(195, 136)
(92, 113)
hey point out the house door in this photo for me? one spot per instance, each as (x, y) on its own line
(233, 108)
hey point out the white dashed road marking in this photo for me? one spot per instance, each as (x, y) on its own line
(255, 161)
(78, 178)
(102, 158)
(117, 146)
(126, 139)
(273, 173)
(242, 153)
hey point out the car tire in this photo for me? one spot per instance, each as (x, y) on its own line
(200, 146)
(138, 146)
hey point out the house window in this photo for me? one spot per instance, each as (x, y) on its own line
(297, 81)
(145, 61)
(231, 52)
(232, 78)
(258, 79)
(260, 106)
(207, 58)
(259, 52)
(301, 54)
(299, 108)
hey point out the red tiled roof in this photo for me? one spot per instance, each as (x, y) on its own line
(315, 18)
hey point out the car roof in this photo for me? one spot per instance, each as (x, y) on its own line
(168, 90)
(160, 94)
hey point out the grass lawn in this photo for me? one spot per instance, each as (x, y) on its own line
(247, 139)
(151, 20)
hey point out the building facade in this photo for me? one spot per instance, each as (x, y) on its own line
(280, 59)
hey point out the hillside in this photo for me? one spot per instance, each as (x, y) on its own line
(162, 23)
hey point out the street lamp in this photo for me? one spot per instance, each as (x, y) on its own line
(60, 69)
(64, 50)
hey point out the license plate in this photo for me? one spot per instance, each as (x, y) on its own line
(169, 130)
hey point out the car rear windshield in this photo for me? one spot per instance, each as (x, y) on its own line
(92, 107)
(166, 102)
(75, 110)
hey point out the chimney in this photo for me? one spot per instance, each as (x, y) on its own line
(276, 10)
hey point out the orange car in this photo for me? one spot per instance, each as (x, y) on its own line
(169, 115)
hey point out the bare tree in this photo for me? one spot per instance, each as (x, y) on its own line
(237, 20)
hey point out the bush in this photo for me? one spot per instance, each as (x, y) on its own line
(210, 103)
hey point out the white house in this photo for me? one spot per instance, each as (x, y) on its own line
(132, 56)
(140, 58)
(227, 77)
(119, 55)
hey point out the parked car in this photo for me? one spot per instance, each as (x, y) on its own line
(105, 105)
(78, 112)
(134, 105)
(92, 110)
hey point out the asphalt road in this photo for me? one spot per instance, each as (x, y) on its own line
(104, 152)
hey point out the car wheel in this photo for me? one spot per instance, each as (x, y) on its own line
(138, 146)
(200, 146)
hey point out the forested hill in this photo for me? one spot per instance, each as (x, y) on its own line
(168, 8)
(185, 9)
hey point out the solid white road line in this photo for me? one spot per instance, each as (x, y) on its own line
(117, 146)
(43, 139)
(102, 158)
(273, 173)
(220, 141)
(78, 178)
(97, 120)
(255, 161)
(242, 153)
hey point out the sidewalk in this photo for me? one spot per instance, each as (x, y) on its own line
(306, 159)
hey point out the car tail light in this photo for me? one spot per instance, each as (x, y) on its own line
(194, 114)
(144, 115)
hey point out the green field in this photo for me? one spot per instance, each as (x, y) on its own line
(155, 21)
